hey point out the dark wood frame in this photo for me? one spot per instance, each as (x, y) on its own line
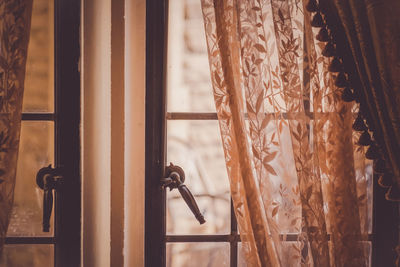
(67, 129)
(156, 116)
(156, 40)
(66, 118)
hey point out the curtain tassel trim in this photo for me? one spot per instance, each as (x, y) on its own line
(312, 6)
(335, 65)
(323, 35)
(365, 139)
(360, 124)
(317, 21)
(347, 95)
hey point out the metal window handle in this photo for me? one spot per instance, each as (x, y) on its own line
(175, 177)
(48, 179)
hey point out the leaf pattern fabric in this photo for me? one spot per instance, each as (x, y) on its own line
(15, 19)
(298, 181)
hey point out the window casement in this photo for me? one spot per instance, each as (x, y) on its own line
(50, 135)
(160, 121)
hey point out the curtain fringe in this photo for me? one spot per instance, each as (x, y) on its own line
(374, 152)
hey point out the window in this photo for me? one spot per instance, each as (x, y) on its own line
(49, 135)
(180, 128)
(191, 141)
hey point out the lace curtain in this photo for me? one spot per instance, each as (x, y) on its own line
(15, 17)
(298, 180)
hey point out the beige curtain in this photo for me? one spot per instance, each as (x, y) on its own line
(298, 181)
(15, 18)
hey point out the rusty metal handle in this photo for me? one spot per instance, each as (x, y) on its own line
(48, 179)
(191, 202)
(175, 177)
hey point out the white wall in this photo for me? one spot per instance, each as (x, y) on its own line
(135, 44)
(96, 132)
(113, 132)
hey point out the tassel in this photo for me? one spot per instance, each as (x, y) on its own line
(329, 50)
(386, 180)
(393, 194)
(335, 66)
(347, 95)
(341, 80)
(365, 139)
(379, 166)
(359, 124)
(372, 152)
(317, 21)
(370, 125)
(312, 6)
(323, 35)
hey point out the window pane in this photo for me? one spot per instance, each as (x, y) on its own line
(27, 255)
(39, 79)
(196, 147)
(197, 254)
(291, 253)
(36, 151)
(241, 256)
(188, 75)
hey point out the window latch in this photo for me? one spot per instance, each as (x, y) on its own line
(48, 179)
(175, 177)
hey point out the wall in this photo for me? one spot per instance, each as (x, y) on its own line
(113, 107)
(96, 133)
(135, 44)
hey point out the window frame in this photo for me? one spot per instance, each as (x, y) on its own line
(67, 126)
(155, 109)
(385, 232)
(66, 118)
(156, 117)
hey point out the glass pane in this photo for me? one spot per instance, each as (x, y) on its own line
(241, 256)
(27, 255)
(36, 151)
(39, 79)
(196, 147)
(290, 254)
(197, 254)
(188, 75)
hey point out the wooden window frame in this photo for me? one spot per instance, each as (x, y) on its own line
(66, 118)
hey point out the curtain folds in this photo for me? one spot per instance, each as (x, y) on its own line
(15, 18)
(298, 180)
(372, 30)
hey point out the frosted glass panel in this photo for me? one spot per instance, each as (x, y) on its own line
(188, 74)
(36, 150)
(196, 147)
(198, 254)
(27, 256)
(39, 79)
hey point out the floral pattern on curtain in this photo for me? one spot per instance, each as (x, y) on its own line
(15, 18)
(298, 181)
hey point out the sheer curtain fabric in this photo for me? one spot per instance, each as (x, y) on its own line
(298, 181)
(15, 19)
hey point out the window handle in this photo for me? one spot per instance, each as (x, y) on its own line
(175, 177)
(48, 179)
